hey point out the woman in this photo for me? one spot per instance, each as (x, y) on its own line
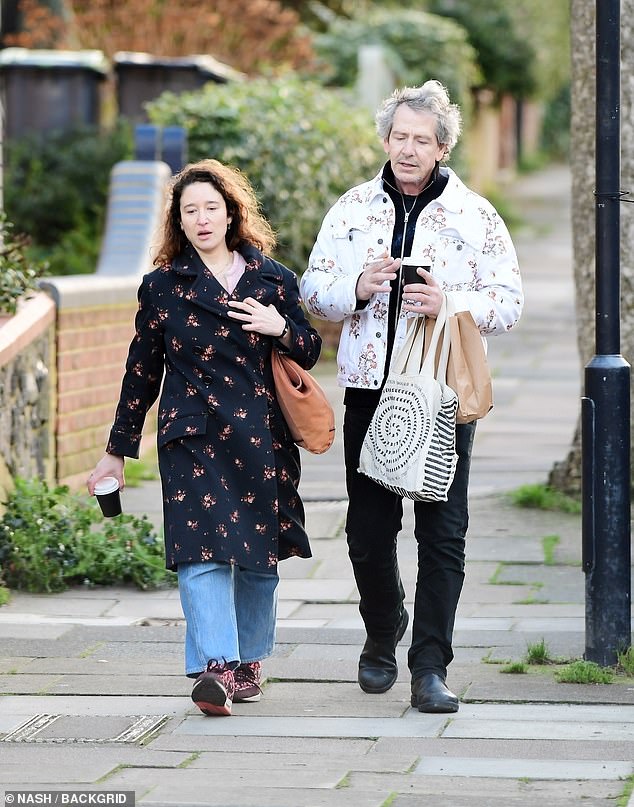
(209, 316)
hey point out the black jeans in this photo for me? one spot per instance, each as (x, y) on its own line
(373, 523)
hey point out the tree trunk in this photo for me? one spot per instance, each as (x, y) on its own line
(566, 475)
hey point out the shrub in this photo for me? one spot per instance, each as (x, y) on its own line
(51, 538)
(299, 144)
(18, 273)
(56, 191)
(419, 46)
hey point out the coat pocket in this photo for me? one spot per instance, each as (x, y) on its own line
(186, 426)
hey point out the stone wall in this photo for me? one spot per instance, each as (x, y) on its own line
(27, 393)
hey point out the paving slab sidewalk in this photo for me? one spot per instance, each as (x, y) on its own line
(93, 697)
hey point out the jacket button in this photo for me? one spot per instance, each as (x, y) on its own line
(208, 379)
(211, 410)
(380, 240)
(378, 334)
(197, 350)
(459, 246)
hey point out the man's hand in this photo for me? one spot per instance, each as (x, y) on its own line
(423, 298)
(375, 273)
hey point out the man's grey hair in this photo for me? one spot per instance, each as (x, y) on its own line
(429, 97)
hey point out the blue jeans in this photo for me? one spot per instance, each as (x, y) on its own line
(229, 612)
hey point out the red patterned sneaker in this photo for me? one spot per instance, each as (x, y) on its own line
(247, 677)
(214, 688)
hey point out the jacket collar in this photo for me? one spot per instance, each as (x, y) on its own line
(259, 269)
(453, 199)
(189, 264)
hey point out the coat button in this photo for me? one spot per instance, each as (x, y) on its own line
(208, 379)
(211, 410)
(459, 246)
(380, 240)
(197, 350)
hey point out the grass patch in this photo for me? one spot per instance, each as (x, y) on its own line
(343, 782)
(538, 653)
(495, 581)
(515, 668)
(5, 595)
(90, 651)
(191, 758)
(543, 497)
(549, 542)
(531, 600)
(626, 661)
(489, 659)
(584, 672)
(628, 789)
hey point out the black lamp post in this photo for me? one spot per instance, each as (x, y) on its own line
(605, 407)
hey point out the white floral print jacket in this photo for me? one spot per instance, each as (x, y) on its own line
(460, 234)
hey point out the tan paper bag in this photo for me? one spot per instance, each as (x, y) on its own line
(468, 371)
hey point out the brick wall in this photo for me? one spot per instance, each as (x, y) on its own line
(95, 323)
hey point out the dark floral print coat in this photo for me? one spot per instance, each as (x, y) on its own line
(229, 468)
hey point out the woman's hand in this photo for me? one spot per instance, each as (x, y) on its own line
(257, 317)
(424, 297)
(108, 465)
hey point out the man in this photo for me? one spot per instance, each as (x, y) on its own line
(413, 207)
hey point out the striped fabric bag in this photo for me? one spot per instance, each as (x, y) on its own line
(409, 447)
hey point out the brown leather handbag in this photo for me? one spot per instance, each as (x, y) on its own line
(306, 409)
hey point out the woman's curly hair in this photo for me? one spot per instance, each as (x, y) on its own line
(248, 225)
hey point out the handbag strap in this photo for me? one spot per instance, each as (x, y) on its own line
(410, 357)
(441, 329)
(411, 347)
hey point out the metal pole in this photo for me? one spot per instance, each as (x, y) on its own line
(606, 405)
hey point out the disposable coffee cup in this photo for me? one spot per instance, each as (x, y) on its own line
(107, 493)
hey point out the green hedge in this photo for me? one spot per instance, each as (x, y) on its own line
(300, 145)
(56, 189)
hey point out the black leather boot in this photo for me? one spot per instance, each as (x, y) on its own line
(430, 694)
(378, 670)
